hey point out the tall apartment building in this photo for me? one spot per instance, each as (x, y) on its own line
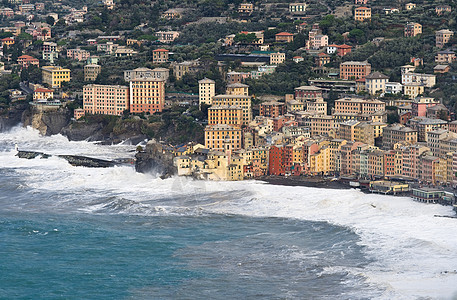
(239, 100)
(442, 37)
(216, 136)
(91, 72)
(420, 104)
(206, 91)
(354, 69)
(54, 76)
(225, 114)
(105, 99)
(147, 95)
(413, 29)
(362, 13)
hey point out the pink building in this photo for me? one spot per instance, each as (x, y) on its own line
(411, 160)
(420, 105)
(105, 99)
(453, 126)
(428, 166)
(78, 54)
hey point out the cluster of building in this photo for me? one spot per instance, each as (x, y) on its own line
(298, 137)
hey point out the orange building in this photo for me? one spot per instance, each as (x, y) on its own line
(217, 135)
(342, 50)
(239, 100)
(225, 114)
(105, 99)
(354, 69)
(362, 13)
(160, 56)
(284, 37)
(7, 41)
(26, 60)
(147, 95)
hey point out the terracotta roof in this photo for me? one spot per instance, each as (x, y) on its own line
(43, 90)
(7, 39)
(284, 34)
(160, 50)
(344, 46)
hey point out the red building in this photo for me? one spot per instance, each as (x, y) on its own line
(275, 165)
(26, 60)
(344, 49)
(272, 109)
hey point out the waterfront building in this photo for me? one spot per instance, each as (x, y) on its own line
(216, 135)
(224, 114)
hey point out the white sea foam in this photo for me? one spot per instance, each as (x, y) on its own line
(414, 253)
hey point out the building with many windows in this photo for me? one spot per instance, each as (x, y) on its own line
(362, 13)
(54, 76)
(105, 99)
(354, 69)
(217, 135)
(206, 91)
(147, 95)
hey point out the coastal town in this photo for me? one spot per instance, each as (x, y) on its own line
(283, 89)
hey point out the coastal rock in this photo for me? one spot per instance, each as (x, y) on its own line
(74, 160)
(154, 159)
(47, 122)
(12, 116)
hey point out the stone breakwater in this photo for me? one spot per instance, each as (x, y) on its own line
(74, 160)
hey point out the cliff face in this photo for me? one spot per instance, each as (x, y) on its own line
(111, 132)
(153, 159)
(48, 122)
(12, 117)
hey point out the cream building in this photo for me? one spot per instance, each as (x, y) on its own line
(206, 91)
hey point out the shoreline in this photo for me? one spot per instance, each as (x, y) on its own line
(314, 182)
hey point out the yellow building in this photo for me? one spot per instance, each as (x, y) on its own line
(412, 90)
(42, 94)
(225, 114)
(277, 58)
(217, 135)
(237, 89)
(54, 76)
(319, 162)
(362, 13)
(239, 100)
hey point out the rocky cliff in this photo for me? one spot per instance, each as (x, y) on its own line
(12, 117)
(153, 159)
(48, 122)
